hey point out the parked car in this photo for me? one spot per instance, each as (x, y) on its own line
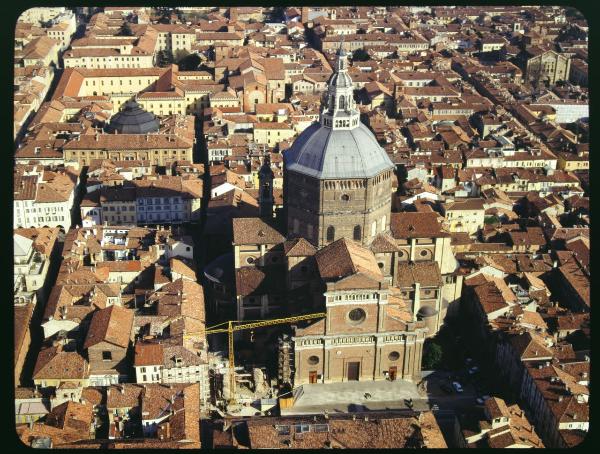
(481, 400)
(473, 370)
(447, 389)
(457, 386)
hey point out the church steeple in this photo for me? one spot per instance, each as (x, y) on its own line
(339, 109)
(265, 196)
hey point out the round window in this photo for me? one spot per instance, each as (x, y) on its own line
(345, 197)
(312, 360)
(401, 253)
(250, 260)
(394, 356)
(424, 252)
(357, 316)
(380, 265)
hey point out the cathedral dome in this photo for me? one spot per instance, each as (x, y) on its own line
(339, 146)
(132, 119)
(329, 153)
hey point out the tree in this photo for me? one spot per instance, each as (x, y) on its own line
(360, 55)
(187, 61)
(180, 54)
(164, 58)
(432, 355)
(125, 30)
(402, 175)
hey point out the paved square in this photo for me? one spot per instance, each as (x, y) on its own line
(354, 396)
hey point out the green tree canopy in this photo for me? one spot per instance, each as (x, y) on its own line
(164, 58)
(187, 61)
(360, 55)
(432, 355)
(125, 30)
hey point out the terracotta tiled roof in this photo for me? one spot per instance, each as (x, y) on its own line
(572, 321)
(491, 297)
(299, 247)
(496, 407)
(44, 238)
(93, 395)
(358, 431)
(171, 352)
(416, 225)
(344, 258)
(71, 416)
(180, 298)
(255, 231)
(125, 395)
(121, 266)
(180, 266)
(255, 281)
(54, 364)
(112, 324)
(425, 273)
(383, 243)
(21, 321)
(148, 354)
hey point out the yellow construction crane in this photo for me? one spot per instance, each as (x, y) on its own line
(232, 327)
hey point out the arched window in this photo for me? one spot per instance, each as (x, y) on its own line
(330, 233)
(356, 235)
(342, 102)
(374, 228)
(383, 219)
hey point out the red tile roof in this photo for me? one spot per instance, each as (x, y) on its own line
(112, 324)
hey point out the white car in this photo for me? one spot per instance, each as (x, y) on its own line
(457, 387)
(473, 370)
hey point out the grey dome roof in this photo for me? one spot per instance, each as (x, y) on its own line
(326, 153)
(426, 311)
(133, 120)
(340, 80)
(221, 269)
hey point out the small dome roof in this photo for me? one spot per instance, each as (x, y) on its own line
(221, 269)
(327, 153)
(426, 311)
(132, 119)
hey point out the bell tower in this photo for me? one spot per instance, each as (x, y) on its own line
(265, 195)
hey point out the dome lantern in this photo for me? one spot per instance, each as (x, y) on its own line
(339, 109)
